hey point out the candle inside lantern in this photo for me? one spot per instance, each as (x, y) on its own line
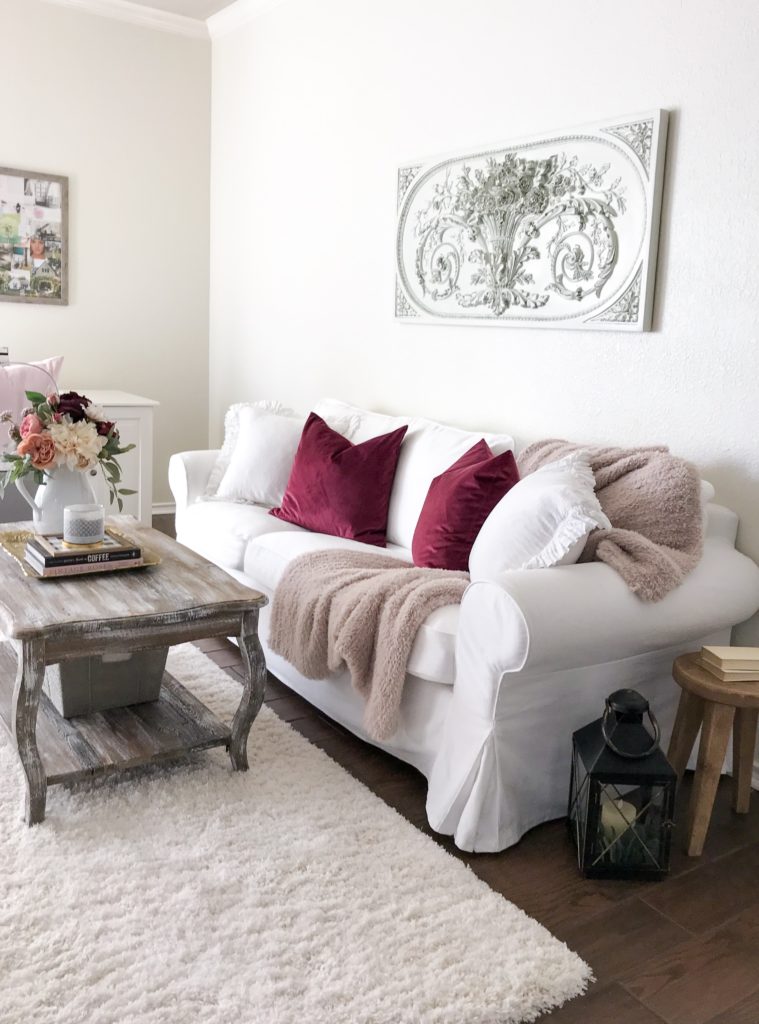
(616, 817)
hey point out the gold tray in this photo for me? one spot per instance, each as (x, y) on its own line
(13, 542)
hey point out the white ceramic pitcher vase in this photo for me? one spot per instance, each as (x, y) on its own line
(62, 487)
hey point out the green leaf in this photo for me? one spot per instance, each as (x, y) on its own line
(35, 397)
(121, 505)
(126, 490)
(115, 450)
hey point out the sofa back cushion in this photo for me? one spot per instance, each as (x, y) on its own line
(340, 488)
(458, 503)
(428, 449)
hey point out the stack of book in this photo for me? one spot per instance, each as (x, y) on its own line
(51, 556)
(732, 664)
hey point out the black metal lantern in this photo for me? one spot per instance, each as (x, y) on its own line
(621, 793)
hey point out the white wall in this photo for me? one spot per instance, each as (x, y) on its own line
(316, 104)
(125, 113)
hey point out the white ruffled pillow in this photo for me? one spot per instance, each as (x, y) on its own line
(543, 521)
(260, 464)
(231, 434)
(258, 470)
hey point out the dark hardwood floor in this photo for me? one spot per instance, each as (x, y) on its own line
(681, 951)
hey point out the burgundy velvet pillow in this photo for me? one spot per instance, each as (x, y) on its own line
(341, 488)
(458, 503)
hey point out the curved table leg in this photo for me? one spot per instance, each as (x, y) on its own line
(253, 690)
(26, 699)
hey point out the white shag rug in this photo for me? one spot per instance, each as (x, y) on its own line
(290, 893)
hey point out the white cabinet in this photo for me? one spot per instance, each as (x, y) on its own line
(133, 416)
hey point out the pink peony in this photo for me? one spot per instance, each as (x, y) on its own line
(30, 424)
(40, 448)
(52, 400)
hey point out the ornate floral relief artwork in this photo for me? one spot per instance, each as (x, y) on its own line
(556, 231)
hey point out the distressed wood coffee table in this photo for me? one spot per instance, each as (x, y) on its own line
(45, 622)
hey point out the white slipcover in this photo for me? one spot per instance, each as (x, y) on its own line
(531, 657)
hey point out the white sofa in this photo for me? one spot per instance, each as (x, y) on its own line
(497, 685)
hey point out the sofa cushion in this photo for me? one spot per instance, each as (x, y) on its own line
(433, 655)
(221, 530)
(338, 487)
(18, 378)
(543, 521)
(262, 459)
(232, 423)
(458, 503)
(232, 433)
(428, 449)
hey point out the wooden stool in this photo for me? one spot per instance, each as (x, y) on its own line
(715, 707)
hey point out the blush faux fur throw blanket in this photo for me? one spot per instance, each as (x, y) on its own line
(653, 501)
(337, 609)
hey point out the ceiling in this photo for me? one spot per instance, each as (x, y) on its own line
(200, 9)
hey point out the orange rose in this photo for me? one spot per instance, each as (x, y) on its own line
(40, 448)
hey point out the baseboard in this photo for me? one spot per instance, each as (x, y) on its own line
(164, 508)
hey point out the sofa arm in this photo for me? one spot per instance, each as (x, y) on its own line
(578, 615)
(537, 652)
(188, 476)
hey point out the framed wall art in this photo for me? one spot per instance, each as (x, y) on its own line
(33, 237)
(558, 230)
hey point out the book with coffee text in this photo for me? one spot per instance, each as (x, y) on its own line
(52, 552)
(49, 571)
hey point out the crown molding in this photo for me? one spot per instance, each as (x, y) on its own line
(238, 14)
(136, 14)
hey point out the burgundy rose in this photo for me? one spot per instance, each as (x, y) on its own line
(73, 405)
(104, 428)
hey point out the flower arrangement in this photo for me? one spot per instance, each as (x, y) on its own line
(63, 431)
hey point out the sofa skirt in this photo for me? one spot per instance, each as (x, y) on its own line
(491, 779)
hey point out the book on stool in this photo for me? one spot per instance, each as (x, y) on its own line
(732, 664)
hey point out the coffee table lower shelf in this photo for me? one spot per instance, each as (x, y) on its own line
(74, 749)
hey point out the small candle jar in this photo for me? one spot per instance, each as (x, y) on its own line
(83, 524)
